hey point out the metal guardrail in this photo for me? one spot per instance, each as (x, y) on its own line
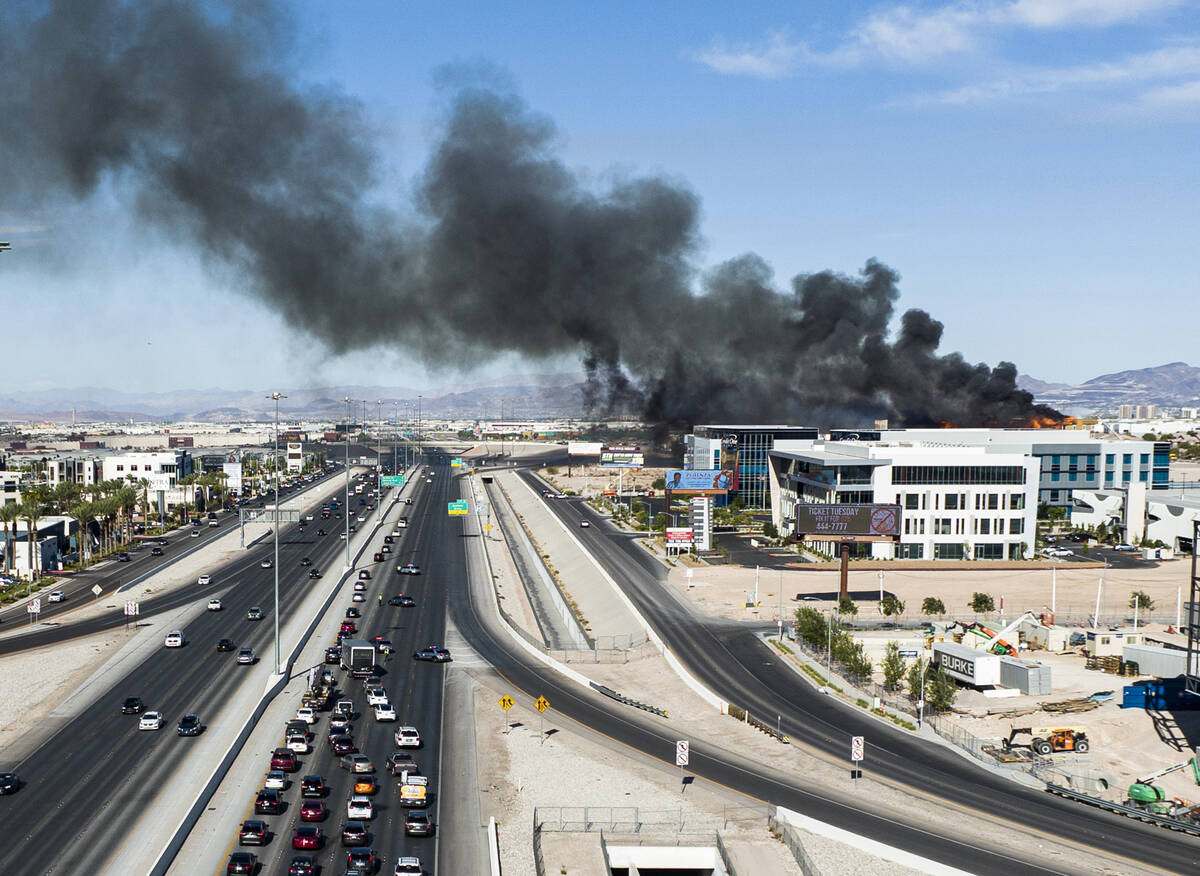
(1188, 827)
(621, 698)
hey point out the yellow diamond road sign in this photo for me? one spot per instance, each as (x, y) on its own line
(542, 704)
(506, 702)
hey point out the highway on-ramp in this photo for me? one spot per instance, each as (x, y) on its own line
(730, 660)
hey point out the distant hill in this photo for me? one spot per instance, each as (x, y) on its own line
(535, 396)
(1173, 384)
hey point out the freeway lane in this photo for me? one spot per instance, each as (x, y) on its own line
(731, 661)
(112, 575)
(415, 688)
(88, 786)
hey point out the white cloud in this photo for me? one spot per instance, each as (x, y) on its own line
(916, 36)
(1179, 95)
(1171, 62)
(774, 58)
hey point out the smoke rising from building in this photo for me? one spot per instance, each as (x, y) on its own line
(198, 118)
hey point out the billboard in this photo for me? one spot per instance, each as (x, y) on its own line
(621, 457)
(840, 520)
(708, 481)
(681, 535)
(233, 476)
(729, 461)
(584, 448)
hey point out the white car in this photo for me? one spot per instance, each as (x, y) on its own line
(309, 517)
(214, 605)
(385, 712)
(360, 808)
(359, 586)
(376, 695)
(1060, 552)
(584, 524)
(359, 597)
(204, 580)
(1124, 547)
(276, 780)
(150, 721)
(174, 639)
(306, 714)
(56, 596)
(297, 743)
(408, 865)
(265, 564)
(408, 737)
(342, 536)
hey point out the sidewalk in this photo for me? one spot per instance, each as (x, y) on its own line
(605, 617)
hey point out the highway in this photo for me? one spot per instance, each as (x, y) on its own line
(731, 662)
(87, 787)
(432, 541)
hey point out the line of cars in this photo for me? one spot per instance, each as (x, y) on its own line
(153, 719)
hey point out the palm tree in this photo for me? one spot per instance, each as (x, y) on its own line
(83, 512)
(127, 498)
(9, 515)
(32, 508)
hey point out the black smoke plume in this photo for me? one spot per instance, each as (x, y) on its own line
(196, 114)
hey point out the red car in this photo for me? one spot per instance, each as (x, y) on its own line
(284, 759)
(308, 837)
(313, 810)
(349, 627)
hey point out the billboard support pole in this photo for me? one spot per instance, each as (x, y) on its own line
(844, 573)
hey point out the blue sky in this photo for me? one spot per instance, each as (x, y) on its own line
(1028, 166)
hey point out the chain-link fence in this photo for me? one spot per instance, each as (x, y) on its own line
(635, 819)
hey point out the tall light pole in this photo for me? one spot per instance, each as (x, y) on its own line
(379, 461)
(276, 397)
(418, 427)
(346, 509)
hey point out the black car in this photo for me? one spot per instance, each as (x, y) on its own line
(306, 562)
(353, 611)
(333, 656)
(123, 557)
(362, 859)
(156, 552)
(253, 833)
(434, 654)
(225, 645)
(303, 865)
(314, 573)
(9, 783)
(354, 833)
(268, 802)
(189, 725)
(320, 532)
(241, 862)
(342, 745)
(417, 823)
(312, 787)
(132, 706)
(403, 600)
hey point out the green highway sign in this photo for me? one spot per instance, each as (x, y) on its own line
(393, 480)
(457, 508)
(456, 463)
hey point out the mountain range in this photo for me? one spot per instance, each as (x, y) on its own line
(516, 397)
(1170, 385)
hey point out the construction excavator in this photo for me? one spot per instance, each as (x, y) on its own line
(996, 644)
(1144, 795)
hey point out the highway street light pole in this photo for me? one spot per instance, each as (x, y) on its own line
(346, 509)
(379, 463)
(276, 396)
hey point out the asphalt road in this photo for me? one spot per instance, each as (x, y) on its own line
(55, 619)
(416, 690)
(87, 787)
(731, 661)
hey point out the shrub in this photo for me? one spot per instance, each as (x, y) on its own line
(846, 606)
(932, 605)
(769, 530)
(982, 603)
(892, 666)
(892, 606)
(1140, 600)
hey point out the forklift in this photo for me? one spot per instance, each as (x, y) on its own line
(1048, 740)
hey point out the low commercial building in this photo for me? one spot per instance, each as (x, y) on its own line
(1136, 513)
(10, 487)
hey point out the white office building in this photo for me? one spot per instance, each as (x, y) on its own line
(295, 456)
(84, 469)
(163, 469)
(956, 502)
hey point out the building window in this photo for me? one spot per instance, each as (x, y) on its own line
(965, 475)
(1127, 459)
(948, 551)
(1016, 551)
(952, 501)
(911, 551)
(1016, 501)
(960, 526)
(1110, 459)
(1054, 477)
(911, 501)
(1016, 525)
(1072, 477)
(1125, 476)
(120, 467)
(993, 501)
(1108, 476)
(983, 526)
(1145, 459)
(941, 526)
(989, 551)
(1142, 476)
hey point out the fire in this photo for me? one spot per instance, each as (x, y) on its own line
(1038, 422)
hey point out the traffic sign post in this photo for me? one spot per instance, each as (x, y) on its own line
(506, 702)
(457, 508)
(541, 705)
(856, 757)
(97, 590)
(34, 608)
(393, 480)
(682, 755)
(132, 609)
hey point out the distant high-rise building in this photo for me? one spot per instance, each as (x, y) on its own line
(1126, 412)
(1147, 412)
(1189, 413)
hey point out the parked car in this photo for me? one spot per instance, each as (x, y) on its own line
(1124, 547)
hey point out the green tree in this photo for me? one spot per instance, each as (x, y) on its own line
(892, 666)
(33, 507)
(892, 606)
(769, 530)
(812, 627)
(942, 690)
(846, 606)
(9, 515)
(933, 605)
(659, 483)
(1141, 601)
(915, 670)
(982, 603)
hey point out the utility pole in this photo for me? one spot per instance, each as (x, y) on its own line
(276, 397)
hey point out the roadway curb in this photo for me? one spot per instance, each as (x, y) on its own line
(167, 856)
(703, 692)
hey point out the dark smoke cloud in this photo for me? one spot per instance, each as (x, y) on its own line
(196, 112)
